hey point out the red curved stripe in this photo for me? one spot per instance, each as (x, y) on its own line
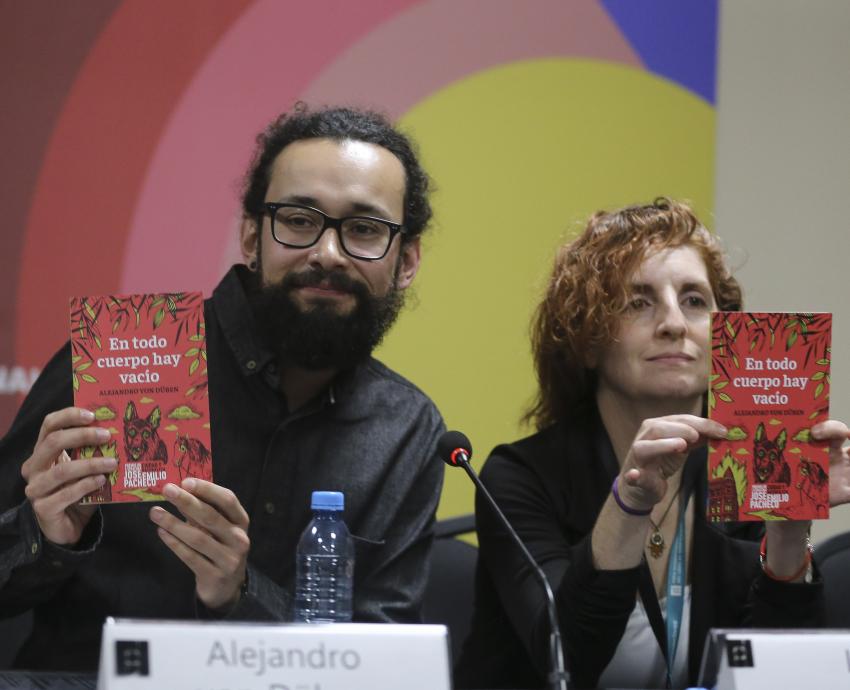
(136, 73)
(98, 153)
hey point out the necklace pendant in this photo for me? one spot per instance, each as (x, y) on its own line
(656, 544)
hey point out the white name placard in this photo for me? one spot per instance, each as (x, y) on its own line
(182, 655)
(771, 659)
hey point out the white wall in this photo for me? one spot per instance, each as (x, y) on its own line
(783, 167)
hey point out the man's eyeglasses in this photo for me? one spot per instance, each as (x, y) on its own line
(361, 237)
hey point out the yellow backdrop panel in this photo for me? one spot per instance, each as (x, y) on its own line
(521, 155)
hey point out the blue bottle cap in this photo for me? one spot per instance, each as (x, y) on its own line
(327, 500)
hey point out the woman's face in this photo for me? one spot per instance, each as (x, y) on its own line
(662, 345)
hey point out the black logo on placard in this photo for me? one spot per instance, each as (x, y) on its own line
(739, 653)
(131, 658)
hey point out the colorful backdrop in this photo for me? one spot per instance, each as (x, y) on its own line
(127, 125)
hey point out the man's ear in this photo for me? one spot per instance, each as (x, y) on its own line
(408, 263)
(249, 240)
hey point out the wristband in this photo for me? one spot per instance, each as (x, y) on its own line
(626, 509)
(804, 570)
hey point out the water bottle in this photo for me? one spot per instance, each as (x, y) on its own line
(324, 569)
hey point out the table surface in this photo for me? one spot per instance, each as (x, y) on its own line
(26, 680)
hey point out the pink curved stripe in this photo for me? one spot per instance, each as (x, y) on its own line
(437, 42)
(188, 208)
(186, 215)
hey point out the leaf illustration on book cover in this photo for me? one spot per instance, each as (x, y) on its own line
(104, 412)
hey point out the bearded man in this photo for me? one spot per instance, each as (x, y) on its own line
(334, 205)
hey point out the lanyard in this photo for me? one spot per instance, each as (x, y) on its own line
(675, 593)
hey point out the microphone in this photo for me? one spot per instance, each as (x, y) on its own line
(455, 449)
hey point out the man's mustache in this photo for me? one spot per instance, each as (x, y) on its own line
(315, 277)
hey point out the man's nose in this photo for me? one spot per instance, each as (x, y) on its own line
(327, 252)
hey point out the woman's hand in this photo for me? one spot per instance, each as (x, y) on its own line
(836, 434)
(658, 452)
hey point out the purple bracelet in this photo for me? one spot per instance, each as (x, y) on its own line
(623, 506)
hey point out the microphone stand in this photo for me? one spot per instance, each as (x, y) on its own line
(558, 677)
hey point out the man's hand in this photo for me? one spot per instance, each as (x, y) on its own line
(55, 484)
(212, 541)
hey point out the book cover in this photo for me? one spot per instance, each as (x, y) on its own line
(139, 363)
(768, 385)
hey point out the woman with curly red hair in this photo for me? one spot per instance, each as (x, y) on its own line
(609, 494)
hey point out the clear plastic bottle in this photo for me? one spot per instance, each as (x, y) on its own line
(324, 568)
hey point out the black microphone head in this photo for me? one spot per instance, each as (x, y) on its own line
(451, 444)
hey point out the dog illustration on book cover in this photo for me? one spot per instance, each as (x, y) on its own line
(769, 465)
(141, 439)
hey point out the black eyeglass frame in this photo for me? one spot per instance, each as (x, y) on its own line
(335, 223)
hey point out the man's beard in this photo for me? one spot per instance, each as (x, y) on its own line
(318, 337)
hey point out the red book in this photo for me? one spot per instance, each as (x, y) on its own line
(769, 384)
(139, 362)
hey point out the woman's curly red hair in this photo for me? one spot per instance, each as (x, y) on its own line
(589, 290)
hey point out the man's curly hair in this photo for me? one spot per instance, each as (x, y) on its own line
(338, 124)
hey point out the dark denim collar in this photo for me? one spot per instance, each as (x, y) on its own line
(236, 317)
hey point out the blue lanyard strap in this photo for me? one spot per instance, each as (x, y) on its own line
(675, 593)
